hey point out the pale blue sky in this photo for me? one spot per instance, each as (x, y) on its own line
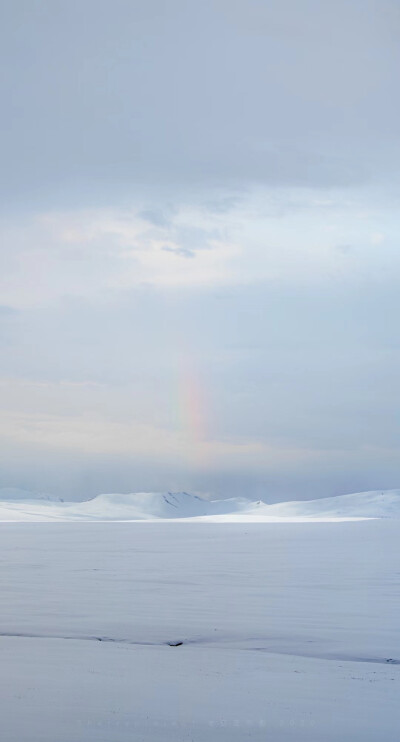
(199, 267)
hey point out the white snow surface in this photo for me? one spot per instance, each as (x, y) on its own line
(287, 631)
(20, 505)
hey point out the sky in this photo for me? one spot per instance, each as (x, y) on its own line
(199, 265)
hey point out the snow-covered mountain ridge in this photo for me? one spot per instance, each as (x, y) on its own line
(20, 505)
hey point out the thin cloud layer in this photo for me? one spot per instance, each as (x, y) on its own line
(103, 99)
(199, 264)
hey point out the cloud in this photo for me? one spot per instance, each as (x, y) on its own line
(289, 236)
(257, 139)
(85, 253)
(156, 217)
(285, 96)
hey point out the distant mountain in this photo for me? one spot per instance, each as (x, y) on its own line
(15, 493)
(144, 505)
(373, 504)
(22, 505)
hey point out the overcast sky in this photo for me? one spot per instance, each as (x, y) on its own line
(200, 264)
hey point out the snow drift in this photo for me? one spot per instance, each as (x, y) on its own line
(19, 505)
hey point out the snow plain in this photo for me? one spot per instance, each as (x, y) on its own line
(290, 630)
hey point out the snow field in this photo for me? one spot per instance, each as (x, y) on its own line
(289, 631)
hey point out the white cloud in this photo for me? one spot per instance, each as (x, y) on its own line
(85, 253)
(286, 236)
(377, 238)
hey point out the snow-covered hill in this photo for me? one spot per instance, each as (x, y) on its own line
(15, 493)
(373, 504)
(18, 505)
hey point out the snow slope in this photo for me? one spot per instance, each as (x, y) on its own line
(373, 504)
(181, 505)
